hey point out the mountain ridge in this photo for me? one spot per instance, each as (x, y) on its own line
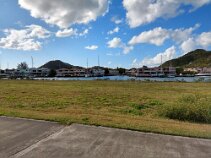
(196, 58)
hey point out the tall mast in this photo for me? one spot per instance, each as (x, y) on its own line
(32, 61)
(161, 64)
(98, 61)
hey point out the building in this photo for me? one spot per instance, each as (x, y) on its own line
(131, 72)
(73, 72)
(113, 72)
(40, 72)
(200, 71)
(151, 72)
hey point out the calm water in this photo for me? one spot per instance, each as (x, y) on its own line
(125, 78)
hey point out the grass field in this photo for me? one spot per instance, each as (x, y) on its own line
(141, 106)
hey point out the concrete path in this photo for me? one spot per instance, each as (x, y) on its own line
(21, 138)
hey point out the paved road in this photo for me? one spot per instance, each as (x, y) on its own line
(21, 138)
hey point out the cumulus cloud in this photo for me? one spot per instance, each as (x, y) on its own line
(66, 32)
(202, 40)
(184, 38)
(141, 12)
(168, 54)
(188, 45)
(117, 43)
(71, 32)
(25, 39)
(92, 47)
(156, 36)
(159, 35)
(64, 13)
(115, 30)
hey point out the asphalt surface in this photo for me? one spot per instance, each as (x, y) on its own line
(22, 138)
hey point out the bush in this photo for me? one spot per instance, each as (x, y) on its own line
(52, 73)
(194, 108)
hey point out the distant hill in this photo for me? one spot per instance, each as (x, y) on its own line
(56, 64)
(197, 58)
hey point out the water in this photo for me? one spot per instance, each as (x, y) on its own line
(125, 78)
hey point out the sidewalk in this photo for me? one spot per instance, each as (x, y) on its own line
(24, 138)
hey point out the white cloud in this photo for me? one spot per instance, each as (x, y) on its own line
(199, 41)
(92, 47)
(116, 20)
(159, 35)
(127, 49)
(141, 12)
(204, 39)
(64, 13)
(168, 54)
(185, 38)
(71, 32)
(66, 32)
(188, 45)
(25, 39)
(115, 30)
(156, 36)
(117, 43)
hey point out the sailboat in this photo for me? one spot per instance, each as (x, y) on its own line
(87, 70)
(161, 74)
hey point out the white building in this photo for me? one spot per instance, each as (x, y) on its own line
(74, 72)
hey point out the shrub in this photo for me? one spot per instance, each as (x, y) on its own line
(194, 108)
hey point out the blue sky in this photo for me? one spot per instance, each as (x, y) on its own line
(123, 33)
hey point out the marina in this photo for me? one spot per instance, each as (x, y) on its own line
(128, 78)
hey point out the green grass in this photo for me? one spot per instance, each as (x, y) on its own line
(159, 107)
(195, 108)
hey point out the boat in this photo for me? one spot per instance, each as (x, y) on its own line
(171, 76)
(203, 74)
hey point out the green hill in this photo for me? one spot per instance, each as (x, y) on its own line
(197, 58)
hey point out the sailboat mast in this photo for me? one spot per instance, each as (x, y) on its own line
(87, 65)
(98, 61)
(161, 64)
(32, 61)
